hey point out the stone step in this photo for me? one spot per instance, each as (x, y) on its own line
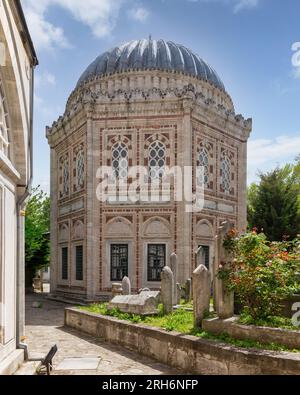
(65, 300)
(28, 369)
(12, 363)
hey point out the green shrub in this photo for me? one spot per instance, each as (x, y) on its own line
(262, 274)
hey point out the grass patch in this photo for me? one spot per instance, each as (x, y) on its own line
(225, 338)
(186, 305)
(271, 322)
(182, 321)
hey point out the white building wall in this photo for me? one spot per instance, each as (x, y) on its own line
(16, 77)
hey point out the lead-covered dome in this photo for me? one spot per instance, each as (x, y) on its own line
(152, 54)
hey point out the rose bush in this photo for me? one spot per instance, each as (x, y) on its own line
(262, 274)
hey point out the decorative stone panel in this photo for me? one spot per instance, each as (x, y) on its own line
(206, 159)
(228, 182)
(64, 176)
(78, 229)
(79, 168)
(63, 233)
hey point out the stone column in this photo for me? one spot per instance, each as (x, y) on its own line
(126, 286)
(167, 289)
(242, 188)
(224, 300)
(188, 290)
(202, 293)
(184, 249)
(92, 209)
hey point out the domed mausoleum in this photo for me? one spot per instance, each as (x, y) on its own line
(152, 105)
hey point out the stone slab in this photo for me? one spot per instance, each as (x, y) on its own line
(154, 294)
(79, 364)
(142, 304)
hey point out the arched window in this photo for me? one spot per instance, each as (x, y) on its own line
(157, 160)
(226, 174)
(204, 164)
(80, 169)
(66, 177)
(4, 142)
(120, 161)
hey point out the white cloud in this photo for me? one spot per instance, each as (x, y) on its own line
(265, 154)
(139, 14)
(44, 34)
(283, 147)
(296, 72)
(44, 184)
(38, 101)
(244, 4)
(46, 78)
(296, 59)
(99, 15)
(238, 5)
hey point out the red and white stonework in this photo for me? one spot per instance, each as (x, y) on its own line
(135, 110)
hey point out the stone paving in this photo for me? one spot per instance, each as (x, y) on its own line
(45, 327)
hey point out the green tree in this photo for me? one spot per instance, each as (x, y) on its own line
(252, 198)
(296, 178)
(37, 227)
(273, 204)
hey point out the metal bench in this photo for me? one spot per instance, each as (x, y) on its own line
(47, 365)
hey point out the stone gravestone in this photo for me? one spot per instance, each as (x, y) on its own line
(144, 289)
(199, 256)
(154, 294)
(188, 290)
(142, 304)
(201, 293)
(224, 300)
(173, 266)
(178, 294)
(167, 289)
(116, 289)
(126, 286)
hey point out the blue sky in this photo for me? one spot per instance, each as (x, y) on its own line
(248, 42)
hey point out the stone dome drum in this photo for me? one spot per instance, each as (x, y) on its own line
(152, 55)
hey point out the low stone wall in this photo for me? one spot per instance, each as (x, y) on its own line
(188, 353)
(286, 337)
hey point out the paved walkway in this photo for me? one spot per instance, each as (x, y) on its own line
(45, 327)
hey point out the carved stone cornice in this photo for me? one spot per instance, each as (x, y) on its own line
(167, 97)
